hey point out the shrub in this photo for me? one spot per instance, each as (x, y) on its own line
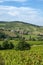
(0, 47)
(5, 45)
(22, 45)
(11, 45)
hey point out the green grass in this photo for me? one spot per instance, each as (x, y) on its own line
(30, 42)
(35, 42)
(28, 36)
(27, 57)
(34, 56)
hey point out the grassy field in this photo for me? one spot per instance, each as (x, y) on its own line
(30, 42)
(27, 57)
(34, 56)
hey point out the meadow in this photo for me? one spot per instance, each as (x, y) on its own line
(27, 57)
(34, 56)
(33, 35)
(15, 42)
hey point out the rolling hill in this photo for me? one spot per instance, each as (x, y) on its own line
(20, 27)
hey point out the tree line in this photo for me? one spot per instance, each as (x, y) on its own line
(22, 45)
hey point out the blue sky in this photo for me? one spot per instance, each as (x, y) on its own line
(30, 11)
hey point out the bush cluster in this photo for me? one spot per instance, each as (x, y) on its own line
(22, 45)
(6, 45)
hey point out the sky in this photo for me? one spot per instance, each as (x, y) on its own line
(30, 11)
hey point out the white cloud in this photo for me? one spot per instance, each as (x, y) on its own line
(1, 1)
(25, 14)
(14, 0)
(39, 0)
(17, 0)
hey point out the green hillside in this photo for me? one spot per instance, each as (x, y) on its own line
(14, 28)
(9, 35)
(17, 25)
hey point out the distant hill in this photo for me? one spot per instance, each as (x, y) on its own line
(21, 26)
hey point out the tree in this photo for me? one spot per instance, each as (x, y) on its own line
(6, 45)
(22, 45)
(30, 38)
(0, 47)
(11, 45)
